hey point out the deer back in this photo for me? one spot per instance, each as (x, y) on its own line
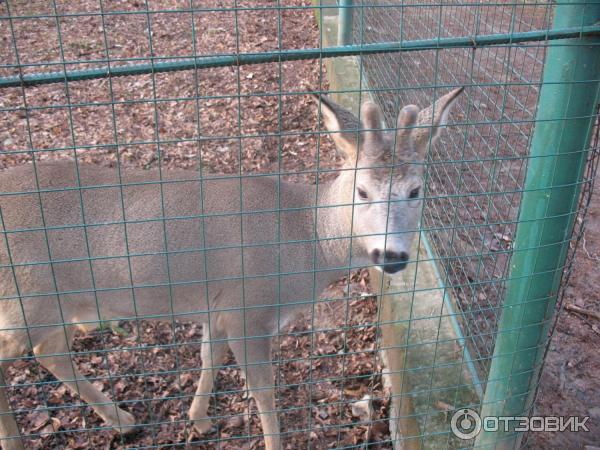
(131, 246)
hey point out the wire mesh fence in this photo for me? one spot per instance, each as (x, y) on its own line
(119, 266)
(475, 177)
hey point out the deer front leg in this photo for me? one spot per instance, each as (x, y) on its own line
(265, 401)
(212, 354)
(63, 368)
(254, 356)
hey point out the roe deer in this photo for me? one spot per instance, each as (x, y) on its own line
(240, 256)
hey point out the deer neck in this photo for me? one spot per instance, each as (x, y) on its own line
(334, 224)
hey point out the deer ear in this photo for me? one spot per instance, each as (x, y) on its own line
(342, 124)
(371, 118)
(405, 143)
(431, 120)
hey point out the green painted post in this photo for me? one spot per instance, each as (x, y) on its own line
(565, 116)
(345, 22)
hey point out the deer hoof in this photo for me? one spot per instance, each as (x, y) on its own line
(203, 426)
(125, 424)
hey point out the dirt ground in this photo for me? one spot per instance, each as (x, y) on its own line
(570, 383)
(322, 367)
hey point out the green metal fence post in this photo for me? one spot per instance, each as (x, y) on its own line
(564, 120)
(345, 22)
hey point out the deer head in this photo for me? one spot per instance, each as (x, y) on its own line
(383, 173)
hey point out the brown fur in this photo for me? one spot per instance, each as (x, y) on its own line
(82, 245)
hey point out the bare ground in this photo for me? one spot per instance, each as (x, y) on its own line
(570, 383)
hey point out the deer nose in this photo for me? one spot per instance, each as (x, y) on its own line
(390, 261)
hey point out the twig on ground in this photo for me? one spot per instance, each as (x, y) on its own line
(586, 312)
(588, 254)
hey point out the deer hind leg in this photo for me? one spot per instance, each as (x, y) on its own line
(9, 431)
(53, 354)
(10, 347)
(254, 356)
(212, 353)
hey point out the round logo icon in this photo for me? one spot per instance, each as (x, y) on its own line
(465, 424)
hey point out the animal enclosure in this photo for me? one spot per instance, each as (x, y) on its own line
(125, 94)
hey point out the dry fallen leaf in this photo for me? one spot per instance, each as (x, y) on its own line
(443, 406)
(39, 418)
(363, 409)
(235, 421)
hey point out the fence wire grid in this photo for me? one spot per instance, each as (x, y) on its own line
(142, 140)
(477, 176)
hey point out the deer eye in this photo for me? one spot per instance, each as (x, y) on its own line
(414, 193)
(362, 194)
